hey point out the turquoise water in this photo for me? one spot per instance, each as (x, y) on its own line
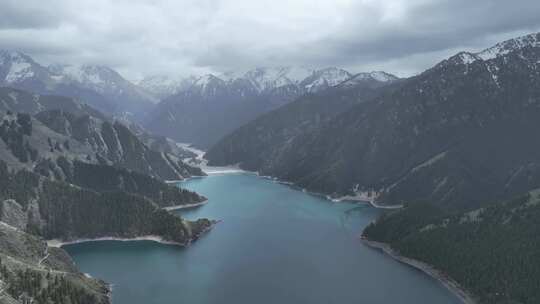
(274, 245)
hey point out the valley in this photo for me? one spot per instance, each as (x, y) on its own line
(212, 175)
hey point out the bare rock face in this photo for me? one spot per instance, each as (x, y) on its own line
(13, 214)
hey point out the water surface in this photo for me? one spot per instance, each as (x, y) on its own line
(274, 245)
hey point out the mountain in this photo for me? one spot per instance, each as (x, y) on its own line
(324, 79)
(69, 172)
(99, 86)
(162, 86)
(31, 271)
(56, 209)
(77, 132)
(213, 106)
(459, 134)
(372, 79)
(257, 144)
(491, 251)
(87, 80)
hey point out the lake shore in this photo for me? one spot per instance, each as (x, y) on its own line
(447, 282)
(154, 238)
(210, 170)
(359, 198)
(186, 206)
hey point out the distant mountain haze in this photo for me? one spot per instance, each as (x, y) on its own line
(203, 110)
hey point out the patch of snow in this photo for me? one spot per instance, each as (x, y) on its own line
(508, 46)
(468, 58)
(379, 76)
(325, 78)
(20, 69)
(382, 76)
(429, 162)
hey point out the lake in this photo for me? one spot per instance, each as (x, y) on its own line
(275, 244)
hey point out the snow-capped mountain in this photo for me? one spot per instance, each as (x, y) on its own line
(471, 122)
(503, 48)
(213, 106)
(162, 86)
(374, 78)
(264, 79)
(325, 78)
(18, 69)
(99, 86)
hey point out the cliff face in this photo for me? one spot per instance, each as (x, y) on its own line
(36, 127)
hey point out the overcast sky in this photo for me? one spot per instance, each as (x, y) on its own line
(140, 38)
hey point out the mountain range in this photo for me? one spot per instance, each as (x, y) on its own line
(194, 109)
(204, 109)
(68, 171)
(458, 134)
(99, 86)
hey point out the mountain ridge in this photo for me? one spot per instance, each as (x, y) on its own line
(434, 124)
(212, 107)
(98, 85)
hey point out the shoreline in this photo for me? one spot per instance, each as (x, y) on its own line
(341, 199)
(450, 284)
(153, 238)
(361, 198)
(185, 206)
(57, 243)
(203, 165)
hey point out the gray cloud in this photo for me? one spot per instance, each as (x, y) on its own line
(192, 36)
(22, 15)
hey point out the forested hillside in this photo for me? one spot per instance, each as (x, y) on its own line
(459, 134)
(492, 251)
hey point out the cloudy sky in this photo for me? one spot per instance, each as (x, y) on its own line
(194, 36)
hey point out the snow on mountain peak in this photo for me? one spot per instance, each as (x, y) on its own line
(208, 84)
(503, 48)
(382, 76)
(86, 74)
(325, 78)
(19, 65)
(468, 58)
(275, 77)
(206, 80)
(163, 86)
(375, 76)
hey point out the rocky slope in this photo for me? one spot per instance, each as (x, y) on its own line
(80, 132)
(458, 134)
(211, 106)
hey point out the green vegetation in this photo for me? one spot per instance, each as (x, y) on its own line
(71, 212)
(20, 186)
(32, 286)
(494, 252)
(108, 178)
(12, 132)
